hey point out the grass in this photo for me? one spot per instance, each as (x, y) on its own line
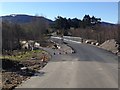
(22, 55)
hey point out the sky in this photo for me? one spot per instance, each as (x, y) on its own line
(107, 11)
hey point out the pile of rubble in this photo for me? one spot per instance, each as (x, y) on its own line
(66, 49)
(62, 48)
(30, 44)
(110, 45)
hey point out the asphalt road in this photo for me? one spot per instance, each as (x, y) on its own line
(89, 67)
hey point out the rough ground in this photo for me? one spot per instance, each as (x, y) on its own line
(12, 74)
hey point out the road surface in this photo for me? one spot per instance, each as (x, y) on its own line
(89, 67)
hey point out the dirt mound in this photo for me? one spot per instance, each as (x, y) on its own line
(110, 45)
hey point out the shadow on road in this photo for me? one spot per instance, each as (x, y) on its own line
(41, 73)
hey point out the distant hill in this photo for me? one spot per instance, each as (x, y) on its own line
(107, 24)
(22, 19)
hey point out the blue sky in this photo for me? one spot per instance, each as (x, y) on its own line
(107, 11)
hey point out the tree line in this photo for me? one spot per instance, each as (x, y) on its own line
(64, 23)
(87, 28)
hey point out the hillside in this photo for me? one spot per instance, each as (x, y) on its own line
(22, 19)
(107, 24)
